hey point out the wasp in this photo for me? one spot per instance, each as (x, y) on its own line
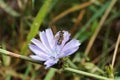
(60, 39)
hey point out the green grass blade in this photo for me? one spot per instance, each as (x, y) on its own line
(39, 19)
(27, 71)
(50, 74)
(88, 34)
(6, 59)
(95, 16)
(37, 22)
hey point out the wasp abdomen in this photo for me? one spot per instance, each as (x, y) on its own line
(60, 39)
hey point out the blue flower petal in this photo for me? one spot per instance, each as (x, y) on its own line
(36, 57)
(66, 37)
(69, 48)
(68, 52)
(44, 41)
(50, 38)
(71, 44)
(50, 62)
(40, 45)
(38, 51)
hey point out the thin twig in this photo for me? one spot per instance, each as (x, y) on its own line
(115, 51)
(92, 39)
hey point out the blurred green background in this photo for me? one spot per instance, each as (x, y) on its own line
(86, 20)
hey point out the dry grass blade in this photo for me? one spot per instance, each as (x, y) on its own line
(115, 51)
(99, 27)
(70, 10)
(78, 20)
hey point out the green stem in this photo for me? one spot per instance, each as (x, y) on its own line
(88, 74)
(8, 53)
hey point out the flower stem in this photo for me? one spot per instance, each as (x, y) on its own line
(8, 53)
(88, 74)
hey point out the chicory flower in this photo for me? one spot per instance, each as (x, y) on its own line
(48, 50)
